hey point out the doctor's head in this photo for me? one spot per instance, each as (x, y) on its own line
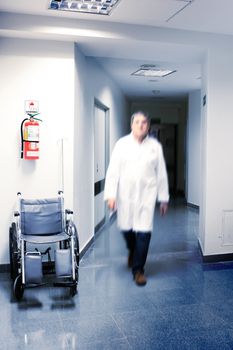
(140, 124)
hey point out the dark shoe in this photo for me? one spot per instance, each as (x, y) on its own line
(140, 278)
(130, 260)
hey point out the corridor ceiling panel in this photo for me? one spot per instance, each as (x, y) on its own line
(214, 16)
(170, 34)
(149, 12)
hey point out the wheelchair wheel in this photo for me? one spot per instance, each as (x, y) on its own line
(76, 253)
(18, 288)
(13, 251)
(73, 289)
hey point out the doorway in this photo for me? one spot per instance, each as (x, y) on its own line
(167, 135)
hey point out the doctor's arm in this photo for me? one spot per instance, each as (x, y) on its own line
(112, 179)
(163, 193)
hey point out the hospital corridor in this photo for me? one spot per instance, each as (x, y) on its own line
(116, 196)
(186, 304)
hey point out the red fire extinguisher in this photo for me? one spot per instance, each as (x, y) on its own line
(30, 138)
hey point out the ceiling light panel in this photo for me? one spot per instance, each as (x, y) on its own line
(100, 7)
(153, 72)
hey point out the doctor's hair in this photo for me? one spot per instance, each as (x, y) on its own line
(145, 114)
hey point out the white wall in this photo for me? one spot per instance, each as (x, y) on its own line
(217, 144)
(65, 83)
(92, 82)
(43, 71)
(193, 148)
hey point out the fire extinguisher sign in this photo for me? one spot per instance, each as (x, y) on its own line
(31, 106)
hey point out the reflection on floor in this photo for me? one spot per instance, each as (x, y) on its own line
(185, 305)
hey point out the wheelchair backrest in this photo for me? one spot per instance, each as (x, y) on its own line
(41, 216)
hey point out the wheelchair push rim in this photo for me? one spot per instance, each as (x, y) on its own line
(13, 252)
(18, 288)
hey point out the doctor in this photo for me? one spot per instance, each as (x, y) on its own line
(135, 179)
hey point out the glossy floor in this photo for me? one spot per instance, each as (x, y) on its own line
(185, 305)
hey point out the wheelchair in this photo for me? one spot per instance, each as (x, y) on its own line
(42, 222)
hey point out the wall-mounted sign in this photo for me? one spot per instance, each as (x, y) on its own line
(31, 106)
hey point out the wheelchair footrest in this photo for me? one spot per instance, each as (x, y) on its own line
(63, 264)
(33, 268)
(65, 284)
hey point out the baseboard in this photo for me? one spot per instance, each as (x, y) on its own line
(85, 249)
(104, 224)
(99, 225)
(217, 258)
(4, 268)
(191, 205)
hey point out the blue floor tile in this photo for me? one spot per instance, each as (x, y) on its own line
(186, 304)
(121, 344)
(91, 330)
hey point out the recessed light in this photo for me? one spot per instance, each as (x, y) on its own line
(153, 72)
(100, 7)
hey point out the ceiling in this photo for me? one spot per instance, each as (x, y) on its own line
(137, 32)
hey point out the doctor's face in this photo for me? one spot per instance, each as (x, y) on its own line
(140, 126)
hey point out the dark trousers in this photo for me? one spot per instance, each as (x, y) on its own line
(138, 245)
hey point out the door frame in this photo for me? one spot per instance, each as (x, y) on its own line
(99, 186)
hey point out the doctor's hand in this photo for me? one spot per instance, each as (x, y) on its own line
(163, 208)
(111, 204)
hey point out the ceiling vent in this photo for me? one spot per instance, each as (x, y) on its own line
(148, 66)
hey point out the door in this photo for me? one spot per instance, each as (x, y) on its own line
(100, 161)
(167, 135)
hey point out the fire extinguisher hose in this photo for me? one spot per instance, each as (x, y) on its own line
(21, 128)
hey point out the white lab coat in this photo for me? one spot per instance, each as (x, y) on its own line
(136, 177)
